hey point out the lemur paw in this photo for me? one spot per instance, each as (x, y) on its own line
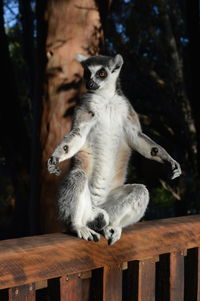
(51, 165)
(100, 221)
(112, 234)
(87, 233)
(176, 170)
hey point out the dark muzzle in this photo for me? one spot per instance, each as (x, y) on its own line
(91, 85)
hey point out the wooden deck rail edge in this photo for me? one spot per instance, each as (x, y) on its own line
(31, 259)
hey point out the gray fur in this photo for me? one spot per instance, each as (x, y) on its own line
(93, 197)
(70, 188)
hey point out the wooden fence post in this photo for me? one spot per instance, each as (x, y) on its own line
(177, 276)
(22, 293)
(141, 279)
(112, 283)
(71, 288)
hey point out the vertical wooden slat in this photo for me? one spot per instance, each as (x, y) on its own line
(146, 279)
(86, 282)
(22, 293)
(41, 284)
(112, 283)
(71, 288)
(177, 276)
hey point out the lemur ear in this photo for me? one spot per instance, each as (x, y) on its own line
(118, 62)
(81, 58)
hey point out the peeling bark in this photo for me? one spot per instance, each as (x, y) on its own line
(182, 103)
(73, 26)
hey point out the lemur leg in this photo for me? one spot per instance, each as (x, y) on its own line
(70, 145)
(150, 149)
(125, 205)
(74, 204)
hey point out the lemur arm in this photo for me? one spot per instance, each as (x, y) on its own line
(140, 142)
(84, 120)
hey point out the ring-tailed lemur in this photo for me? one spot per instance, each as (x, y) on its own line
(93, 197)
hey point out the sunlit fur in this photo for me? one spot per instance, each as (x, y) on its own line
(92, 196)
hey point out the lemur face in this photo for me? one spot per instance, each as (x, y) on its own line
(100, 71)
(95, 76)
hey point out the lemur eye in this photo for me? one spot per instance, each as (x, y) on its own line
(102, 73)
(65, 148)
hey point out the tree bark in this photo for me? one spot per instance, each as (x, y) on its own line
(191, 11)
(183, 104)
(73, 27)
(185, 118)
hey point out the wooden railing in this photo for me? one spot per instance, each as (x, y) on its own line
(155, 260)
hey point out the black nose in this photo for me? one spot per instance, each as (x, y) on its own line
(91, 85)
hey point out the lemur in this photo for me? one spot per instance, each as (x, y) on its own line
(92, 197)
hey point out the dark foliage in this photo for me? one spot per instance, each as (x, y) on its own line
(158, 40)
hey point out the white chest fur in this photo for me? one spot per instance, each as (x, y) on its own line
(105, 141)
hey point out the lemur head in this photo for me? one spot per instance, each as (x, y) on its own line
(100, 72)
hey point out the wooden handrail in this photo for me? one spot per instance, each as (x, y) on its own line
(31, 259)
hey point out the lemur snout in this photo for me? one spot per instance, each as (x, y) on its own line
(91, 85)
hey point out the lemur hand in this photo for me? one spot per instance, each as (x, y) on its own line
(174, 169)
(51, 165)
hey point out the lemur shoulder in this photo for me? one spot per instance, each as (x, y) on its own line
(92, 198)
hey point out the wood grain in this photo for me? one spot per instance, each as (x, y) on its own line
(37, 258)
(71, 288)
(177, 276)
(22, 293)
(112, 283)
(146, 279)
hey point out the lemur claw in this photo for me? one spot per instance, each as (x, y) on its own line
(87, 233)
(173, 169)
(51, 165)
(176, 170)
(112, 234)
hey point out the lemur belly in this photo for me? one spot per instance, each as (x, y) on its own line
(109, 161)
(121, 165)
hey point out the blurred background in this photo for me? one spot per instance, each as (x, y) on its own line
(41, 83)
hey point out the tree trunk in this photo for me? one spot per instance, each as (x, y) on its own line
(191, 11)
(182, 102)
(185, 118)
(73, 26)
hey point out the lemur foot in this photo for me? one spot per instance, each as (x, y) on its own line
(87, 233)
(100, 221)
(112, 234)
